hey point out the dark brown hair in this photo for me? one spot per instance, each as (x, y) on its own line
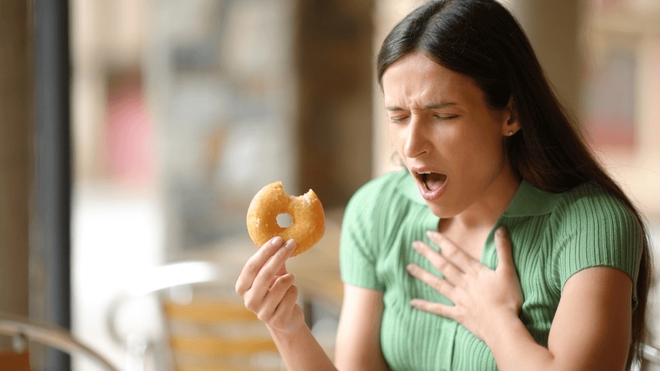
(482, 40)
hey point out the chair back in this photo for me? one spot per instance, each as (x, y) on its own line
(25, 329)
(218, 335)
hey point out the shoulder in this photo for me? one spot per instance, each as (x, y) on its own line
(591, 218)
(377, 206)
(590, 206)
(369, 218)
(391, 187)
(595, 228)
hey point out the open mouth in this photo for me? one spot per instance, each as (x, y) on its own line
(432, 181)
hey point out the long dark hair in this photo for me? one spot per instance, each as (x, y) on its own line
(482, 40)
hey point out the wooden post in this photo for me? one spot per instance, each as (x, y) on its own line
(15, 158)
(334, 58)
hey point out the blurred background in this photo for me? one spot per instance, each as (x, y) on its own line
(134, 134)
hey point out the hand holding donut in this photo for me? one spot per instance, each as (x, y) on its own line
(266, 287)
(268, 290)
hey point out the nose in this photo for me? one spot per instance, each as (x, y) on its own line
(416, 142)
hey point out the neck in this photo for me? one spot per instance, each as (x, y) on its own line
(494, 201)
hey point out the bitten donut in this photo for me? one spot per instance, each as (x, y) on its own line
(307, 217)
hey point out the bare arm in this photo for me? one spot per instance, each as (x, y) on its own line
(358, 337)
(590, 331)
(300, 350)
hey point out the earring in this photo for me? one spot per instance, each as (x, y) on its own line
(510, 133)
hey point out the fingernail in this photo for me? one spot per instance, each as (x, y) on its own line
(429, 234)
(501, 231)
(411, 268)
(290, 243)
(415, 245)
(414, 303)
(276, 241)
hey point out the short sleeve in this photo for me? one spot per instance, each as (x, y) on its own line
(597, 230)
(359, 238)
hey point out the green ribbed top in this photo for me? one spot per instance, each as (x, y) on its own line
(553, 236)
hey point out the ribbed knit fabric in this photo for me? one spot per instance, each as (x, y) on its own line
(553, 237)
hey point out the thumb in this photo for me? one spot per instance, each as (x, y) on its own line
(503, 248)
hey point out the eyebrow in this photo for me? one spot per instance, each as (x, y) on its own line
(436, 105)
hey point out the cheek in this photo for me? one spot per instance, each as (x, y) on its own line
(397, 137)
(478, 154)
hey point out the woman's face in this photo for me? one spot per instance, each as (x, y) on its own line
(449, 138)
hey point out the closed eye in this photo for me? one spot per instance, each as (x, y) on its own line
(446, 118)
(396, 120)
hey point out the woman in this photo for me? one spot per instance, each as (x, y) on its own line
(542, 263)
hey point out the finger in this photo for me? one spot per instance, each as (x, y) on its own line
(285, 310)
(269, 270)
(282, 271)
(450, 271)
(279, 273)
(254, 264)
(288, 301)
(436, 283)
(435, 308)
(275, 295)
(503, 248)
(254, 297)
(452, 252)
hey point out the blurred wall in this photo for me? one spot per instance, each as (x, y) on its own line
(335, 70)
(553, 28)
(15, 158)
(221, 87)
(622, 105)
(106, 43)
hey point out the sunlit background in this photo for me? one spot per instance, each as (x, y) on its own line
(182, 110)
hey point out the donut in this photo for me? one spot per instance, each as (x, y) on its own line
(307, 217)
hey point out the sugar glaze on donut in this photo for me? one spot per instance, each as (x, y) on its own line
(307, 217)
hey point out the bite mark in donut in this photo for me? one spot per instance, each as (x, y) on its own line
(307, 217)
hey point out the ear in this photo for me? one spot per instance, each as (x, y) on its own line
(510, 122)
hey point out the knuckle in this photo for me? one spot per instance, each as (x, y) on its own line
(264, 316)
(450, 253)
(241, 287)
(286, 279)
(250, 303)
(250, 268)
(441, 264)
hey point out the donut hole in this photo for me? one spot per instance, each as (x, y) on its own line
(284, 220)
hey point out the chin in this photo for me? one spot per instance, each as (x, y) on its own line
(442, 212)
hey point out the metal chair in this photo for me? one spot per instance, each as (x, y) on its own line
(204, 331)
(24, 329)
